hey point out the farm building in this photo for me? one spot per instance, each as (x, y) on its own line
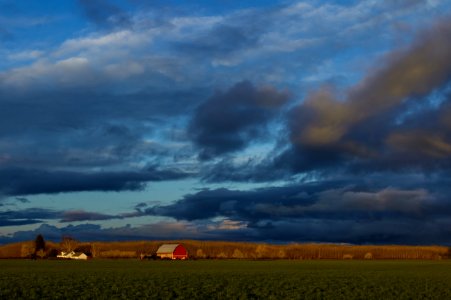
(172, 251)
(79, 255)
(73, 255)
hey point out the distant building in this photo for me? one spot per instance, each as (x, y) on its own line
(172, 251)
(73, 255)
(79, 255)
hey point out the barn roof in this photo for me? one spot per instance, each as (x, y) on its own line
(167, 248)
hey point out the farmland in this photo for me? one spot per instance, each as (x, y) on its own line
(243, 279)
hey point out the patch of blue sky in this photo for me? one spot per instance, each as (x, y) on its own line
(431, 102)
(6, 231)
(220, 6)
(36, 26)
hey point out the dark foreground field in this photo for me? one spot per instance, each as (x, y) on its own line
(233, 279)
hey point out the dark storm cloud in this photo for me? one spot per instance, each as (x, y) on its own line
(26, 216)
(18, 222)
(28, 181)
(82, 130)
(51, 142)
(356, 212)
(320, 201)
(230, 121)
(31, 213)
(4, 201)
(105, 14)
(40, 215)
(54, 233)
(424, 137)
(251, 170)
(328, 131)
(311, 213)
(392, 231)
(140, 205)
(81, 215)
(64, 108)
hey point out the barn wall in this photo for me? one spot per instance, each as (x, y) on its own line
(180, 251)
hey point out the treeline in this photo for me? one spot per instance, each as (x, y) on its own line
(224, 250)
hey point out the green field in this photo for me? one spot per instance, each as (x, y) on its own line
(220, 279)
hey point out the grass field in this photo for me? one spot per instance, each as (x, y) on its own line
(220, 279)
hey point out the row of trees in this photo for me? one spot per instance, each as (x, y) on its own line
(40, 249)
(312, 251)
(218, 250)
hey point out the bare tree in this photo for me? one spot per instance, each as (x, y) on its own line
(68, 243)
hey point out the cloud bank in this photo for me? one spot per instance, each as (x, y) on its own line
(294, 121)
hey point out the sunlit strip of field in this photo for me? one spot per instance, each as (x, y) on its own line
(239, 250)
(232, 279)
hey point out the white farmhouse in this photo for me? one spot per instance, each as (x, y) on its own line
(73, 255)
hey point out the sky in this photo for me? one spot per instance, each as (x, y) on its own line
(258, 121)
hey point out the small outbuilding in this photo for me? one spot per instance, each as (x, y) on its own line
(172, 251)
(79, 255)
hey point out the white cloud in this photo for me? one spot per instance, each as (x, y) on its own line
(109, 42)
(72, 71)
(286, 44)
(25, 55)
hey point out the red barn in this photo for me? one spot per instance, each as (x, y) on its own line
(172, 251)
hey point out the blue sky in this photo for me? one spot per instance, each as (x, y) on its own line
(279, 121)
